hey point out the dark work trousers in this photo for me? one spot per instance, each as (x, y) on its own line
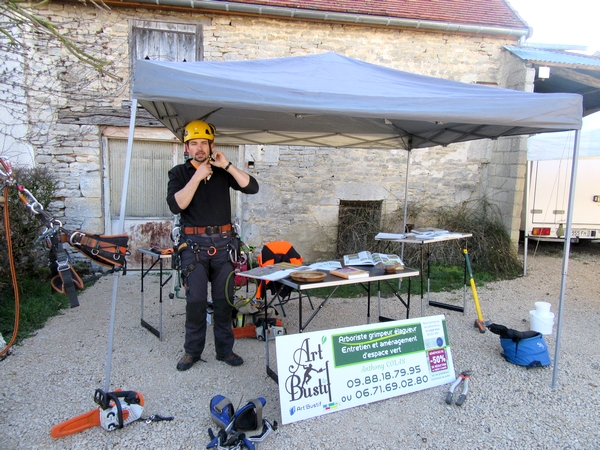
(216, 269)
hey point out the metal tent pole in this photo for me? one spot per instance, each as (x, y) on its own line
(120, 228)
(526, 233)
(567, 248)
(405, 201)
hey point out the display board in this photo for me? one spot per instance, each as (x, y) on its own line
(330, 370)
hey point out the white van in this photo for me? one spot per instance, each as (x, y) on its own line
(549, 168)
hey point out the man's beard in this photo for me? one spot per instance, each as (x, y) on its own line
(196, 158)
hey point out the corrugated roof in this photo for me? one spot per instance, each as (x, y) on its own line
(553, 56)
(495, 13)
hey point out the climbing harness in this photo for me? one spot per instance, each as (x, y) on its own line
(108, 251)
(236, 426)
(238, 256)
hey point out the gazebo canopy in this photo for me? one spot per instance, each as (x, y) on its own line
(335, 101)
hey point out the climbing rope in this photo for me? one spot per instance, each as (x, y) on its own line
(6, 172)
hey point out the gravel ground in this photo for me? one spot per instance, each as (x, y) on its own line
(53, 375)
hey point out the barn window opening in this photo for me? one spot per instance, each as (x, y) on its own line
(148, 179)
(358, 223)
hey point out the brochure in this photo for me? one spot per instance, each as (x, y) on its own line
(367, 258)
(326, 265)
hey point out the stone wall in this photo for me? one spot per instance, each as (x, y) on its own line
(301, 187)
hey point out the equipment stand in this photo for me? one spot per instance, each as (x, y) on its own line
(158, 258)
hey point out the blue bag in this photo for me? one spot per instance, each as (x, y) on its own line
(528, 352)
(524, 348)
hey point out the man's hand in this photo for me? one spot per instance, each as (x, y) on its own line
(219, 160)
(204, 170)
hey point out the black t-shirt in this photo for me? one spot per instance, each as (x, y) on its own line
(210, 205)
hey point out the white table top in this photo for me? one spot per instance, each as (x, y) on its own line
(414, 239)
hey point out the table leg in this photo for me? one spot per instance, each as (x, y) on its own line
(153, 330)
(142, 289)
(441, 304)
(160, 289)
(421, 273)
(369, 302)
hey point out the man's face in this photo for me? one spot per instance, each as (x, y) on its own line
(199, 149)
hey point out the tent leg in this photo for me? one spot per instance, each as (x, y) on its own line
(405, 202)
(567, 248)
(120, 228)
(526, 232)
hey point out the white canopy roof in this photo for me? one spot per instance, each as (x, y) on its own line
(335, 101)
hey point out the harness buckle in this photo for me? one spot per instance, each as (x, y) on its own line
(62, 265)
(76, 234)
(212, 229)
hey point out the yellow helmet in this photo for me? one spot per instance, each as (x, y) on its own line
(198, 129)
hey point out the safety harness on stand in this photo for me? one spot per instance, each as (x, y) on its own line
(108, 251)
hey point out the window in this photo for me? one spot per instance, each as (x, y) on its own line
(164, 41)
(148, 179)
(147, 189)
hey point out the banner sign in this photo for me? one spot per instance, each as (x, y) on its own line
(326, 371)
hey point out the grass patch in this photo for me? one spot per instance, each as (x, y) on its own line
(37, 305)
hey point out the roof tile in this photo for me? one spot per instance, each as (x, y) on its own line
(472, 12)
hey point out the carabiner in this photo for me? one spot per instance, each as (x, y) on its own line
(212, 250)
(29, 200)
(6, 170)
(233, 256)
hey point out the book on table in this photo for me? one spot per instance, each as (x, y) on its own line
(367, 258)
(349, 272)
(273, 272)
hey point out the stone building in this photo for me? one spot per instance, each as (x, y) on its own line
(62, 113)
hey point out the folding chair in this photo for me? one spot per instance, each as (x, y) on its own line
(272, 253)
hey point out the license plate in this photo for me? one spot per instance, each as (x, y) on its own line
(580, 233)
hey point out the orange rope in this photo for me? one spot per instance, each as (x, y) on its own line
(13, 272)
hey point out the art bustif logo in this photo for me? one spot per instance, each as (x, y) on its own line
(308, 380)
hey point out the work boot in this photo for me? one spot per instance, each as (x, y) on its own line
(232, 359)
(187, 361)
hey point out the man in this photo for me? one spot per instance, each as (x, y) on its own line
(198, 191)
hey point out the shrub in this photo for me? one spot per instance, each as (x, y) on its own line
(30, 258)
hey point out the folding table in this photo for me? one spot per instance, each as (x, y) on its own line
(158, 259)
(330, 281)
(426, 243)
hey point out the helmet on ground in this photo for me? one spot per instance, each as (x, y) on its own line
(197, 129)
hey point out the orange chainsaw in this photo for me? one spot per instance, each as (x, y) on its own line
(116, 409)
